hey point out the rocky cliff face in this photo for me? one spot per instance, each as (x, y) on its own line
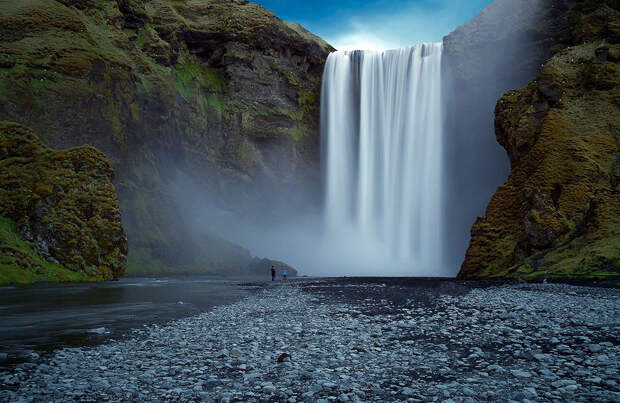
(59, 216)
(558, 214)
(219, 95)
(501, 49)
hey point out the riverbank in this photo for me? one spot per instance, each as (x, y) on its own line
(40, 318)
(352, 339)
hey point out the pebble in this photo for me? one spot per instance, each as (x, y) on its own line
(99, 330)
(340, 340)
(520, 374)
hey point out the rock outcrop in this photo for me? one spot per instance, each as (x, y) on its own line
(220, 95)
(59, 214)
(502, 48)
(558, 214)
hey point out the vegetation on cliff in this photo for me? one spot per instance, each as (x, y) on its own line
(59, 216)
(221, 92)
(558, 214)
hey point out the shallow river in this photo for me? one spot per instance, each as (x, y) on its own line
(42, 317)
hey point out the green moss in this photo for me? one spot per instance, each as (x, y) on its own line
(81, 221)
(578, 259)
(143, 36)
(297, 133)
(236, 54)
(191, 77)
(213, 79)
(135, 111)
(588, 6)
(557, 48)
(20, 264)
(216, 105)
(292, 78)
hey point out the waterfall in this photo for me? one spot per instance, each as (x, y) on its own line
(381, 129)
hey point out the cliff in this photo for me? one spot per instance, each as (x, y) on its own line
(558, 213)
(215, 95)
(502, 48)
(59, 216)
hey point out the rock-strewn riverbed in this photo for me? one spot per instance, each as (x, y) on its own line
(342, 340)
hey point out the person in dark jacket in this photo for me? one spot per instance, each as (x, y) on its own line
(273, 273)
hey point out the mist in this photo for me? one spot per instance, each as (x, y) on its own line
(296, 237)
(289, 223)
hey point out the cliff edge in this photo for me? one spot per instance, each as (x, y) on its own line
(558, 213)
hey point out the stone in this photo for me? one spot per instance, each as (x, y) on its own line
(468, 392)
(595, 348)
(542, 357)
(563, 348)
(184, 359)
(520, 374)
(530, 393)
(408, 391)
(562, 383)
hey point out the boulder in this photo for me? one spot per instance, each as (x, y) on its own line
(219, 96)
(62, 209)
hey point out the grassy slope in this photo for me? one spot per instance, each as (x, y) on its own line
(20, 264)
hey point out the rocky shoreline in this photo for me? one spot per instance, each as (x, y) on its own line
(359, 340)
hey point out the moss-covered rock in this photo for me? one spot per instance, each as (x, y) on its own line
(221, 91)
(558, 214)
(63, 205)
(502, 48)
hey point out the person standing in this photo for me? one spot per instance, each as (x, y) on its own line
(273, 273)
(283, 274)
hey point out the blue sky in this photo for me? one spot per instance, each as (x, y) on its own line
(377, 24)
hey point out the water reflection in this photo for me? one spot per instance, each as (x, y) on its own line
(43, 317)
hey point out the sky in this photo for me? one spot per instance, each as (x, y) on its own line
(377, 24)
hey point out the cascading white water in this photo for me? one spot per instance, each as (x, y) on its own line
(382, 152)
